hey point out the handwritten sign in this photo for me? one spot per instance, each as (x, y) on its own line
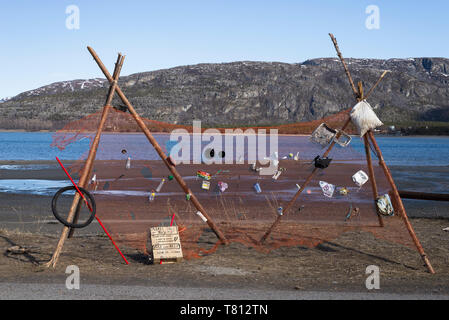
(165, 243)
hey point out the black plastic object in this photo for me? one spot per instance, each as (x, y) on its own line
(62, 220)
(322, 163)
(121, 108)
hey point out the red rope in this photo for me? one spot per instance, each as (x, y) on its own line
(90, 208)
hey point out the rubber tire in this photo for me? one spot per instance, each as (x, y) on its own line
(66, 223)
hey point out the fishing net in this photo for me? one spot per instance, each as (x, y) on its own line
(128, 172)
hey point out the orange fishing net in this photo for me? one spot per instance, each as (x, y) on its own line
(122, 193)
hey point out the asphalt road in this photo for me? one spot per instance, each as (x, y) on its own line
(29, 291)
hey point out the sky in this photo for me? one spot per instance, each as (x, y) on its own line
(39, 44)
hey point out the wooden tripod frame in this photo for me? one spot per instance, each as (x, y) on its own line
(369, 136)
(87, 170)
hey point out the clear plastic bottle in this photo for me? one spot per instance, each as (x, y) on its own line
(128, 163)
(159, 187)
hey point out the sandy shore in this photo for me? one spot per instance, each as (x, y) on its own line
(337, 264)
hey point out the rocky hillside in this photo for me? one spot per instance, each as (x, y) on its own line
(246, 93)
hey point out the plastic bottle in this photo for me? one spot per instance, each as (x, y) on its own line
(257, 187)
(128, 163)
(159, 187)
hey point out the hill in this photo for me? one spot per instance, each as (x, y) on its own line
(246, 94)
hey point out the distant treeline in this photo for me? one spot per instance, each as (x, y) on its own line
(426, 128)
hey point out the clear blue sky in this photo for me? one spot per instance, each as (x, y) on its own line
(37, 48)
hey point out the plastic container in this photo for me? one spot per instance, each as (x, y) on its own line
(360, 178)
(257, 187)
(159, 187)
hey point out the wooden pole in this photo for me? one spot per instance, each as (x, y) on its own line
(87, 167)
(305, 184)
(376, 84)
(87, 170)
(399, 202)
(358, 96)
(348, 74)
(372, 176)
(160, 152)
(423, 195)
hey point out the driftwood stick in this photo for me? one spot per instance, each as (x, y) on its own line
(305, 184)
(400, 204)
(160, 152)
(348, 74)
(86, 170)
(372, 176)
(376, 84)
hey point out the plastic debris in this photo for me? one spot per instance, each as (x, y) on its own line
(364, 118)
(446, 229)
(257, 187)
(328, 189)
(296, 157)
(203, 175)
(277, 174)
(152, 196)
(170, 178)
(222, 186)
(201, 216)
(205, 185)
(274, 159)
(360, 178)
(188, 196)
(298, 186)
(159, 187)
(384, 205)
(343, 191)
(343, 140)
(128, 163)
(352, 212)
(280, 211)
(323, 135)
(207, 155)
(322, 163)
(93, 182)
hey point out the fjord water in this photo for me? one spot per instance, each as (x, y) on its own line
(417, 163)
(397, 151)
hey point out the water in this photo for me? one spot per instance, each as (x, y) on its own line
(399, 151)
(405, 152)
(30, 186)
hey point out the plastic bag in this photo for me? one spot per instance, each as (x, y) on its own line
(328, 189)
